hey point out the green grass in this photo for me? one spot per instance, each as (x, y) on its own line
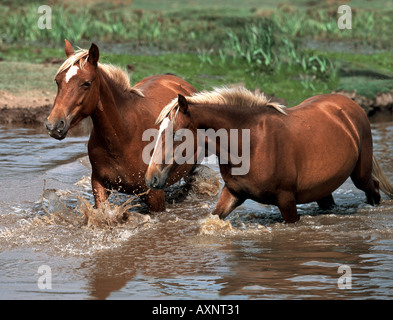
(379, 61)
(204, 76)
(368, 74)
(260, 45)
(182, 26)
(285, 82)
(365, 86)
(23, 78)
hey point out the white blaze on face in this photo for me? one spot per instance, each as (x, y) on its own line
(71, 72)
(163, 126)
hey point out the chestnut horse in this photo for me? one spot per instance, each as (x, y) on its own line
(120, 115)
(297, 155)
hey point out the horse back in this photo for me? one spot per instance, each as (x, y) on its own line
(327, 134)
(166, 87)
(331, 103)
(334, 111)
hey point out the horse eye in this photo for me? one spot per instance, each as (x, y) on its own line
(86, 84)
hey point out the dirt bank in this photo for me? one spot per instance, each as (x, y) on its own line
(33, 109)
(27, 109)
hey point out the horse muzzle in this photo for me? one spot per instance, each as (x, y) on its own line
(58, 129)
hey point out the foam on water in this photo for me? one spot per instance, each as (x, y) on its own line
(213, 225)
(54, 225)
(66, 221)
(60, 236)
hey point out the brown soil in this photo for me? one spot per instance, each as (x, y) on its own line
(31, 108)
(34, 107)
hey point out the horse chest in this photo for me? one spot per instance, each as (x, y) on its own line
(117, 172)
(124, 177)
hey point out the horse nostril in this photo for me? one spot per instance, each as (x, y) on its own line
(61, 125)
(154, 181)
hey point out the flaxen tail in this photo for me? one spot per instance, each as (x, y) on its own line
(384, 183)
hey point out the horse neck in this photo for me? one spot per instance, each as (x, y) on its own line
(107, 120)
(215, 117)
(207, 117)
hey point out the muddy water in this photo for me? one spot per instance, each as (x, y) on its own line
(183, 253)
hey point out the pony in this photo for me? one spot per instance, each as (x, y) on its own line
(120, 114)
(297, 155)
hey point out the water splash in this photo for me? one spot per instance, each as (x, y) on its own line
(66, 222)
(56, 225)
(204, 181)
(213, 225)
(85, 214)
(110, 214)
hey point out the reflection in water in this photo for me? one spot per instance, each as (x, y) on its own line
(183, 252)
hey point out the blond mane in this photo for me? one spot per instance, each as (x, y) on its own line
(237, 96)
(116, 74)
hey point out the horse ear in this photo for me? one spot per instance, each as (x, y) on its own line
(183, 104)
(68, 48)
(94, 54)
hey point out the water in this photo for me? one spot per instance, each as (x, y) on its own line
(184, 253)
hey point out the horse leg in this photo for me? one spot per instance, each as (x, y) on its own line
(226, 203)
(363, 180)
(155, 200)
(286, 202)
(370, 187)
(326, 203)
(100, 193)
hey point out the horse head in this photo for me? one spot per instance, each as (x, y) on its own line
(78, 90)
(175, 144)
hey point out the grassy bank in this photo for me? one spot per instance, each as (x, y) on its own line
(202, 74)
(265, 46)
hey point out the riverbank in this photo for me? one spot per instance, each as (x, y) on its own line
(34, 110)
(29, 109)
(291, 51)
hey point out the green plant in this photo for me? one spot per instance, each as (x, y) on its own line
(319, 66)
(204, 56)
(264, 49)
(307, 81)
(255, 44)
